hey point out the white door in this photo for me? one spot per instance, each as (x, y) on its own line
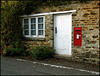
(62, 33)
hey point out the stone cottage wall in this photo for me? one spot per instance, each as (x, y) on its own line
(48, 40)
(87, 17)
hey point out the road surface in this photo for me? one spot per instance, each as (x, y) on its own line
(14, 66)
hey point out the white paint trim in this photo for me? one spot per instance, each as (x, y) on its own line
(63, 67)
(42, 14)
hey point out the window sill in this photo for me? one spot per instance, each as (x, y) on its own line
(34, 39)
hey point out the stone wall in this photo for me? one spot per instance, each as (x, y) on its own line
(87, 17)
(48, 40)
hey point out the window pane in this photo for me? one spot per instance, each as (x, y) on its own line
(26, 32)
(40, 32)
(40, 26)
(26, 27)
(33, 20)
(40, 20)
(33, 32)
(33, 26)
(25, 20)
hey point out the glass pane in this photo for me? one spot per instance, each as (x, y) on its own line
(26, 27)
(40, 20)
(25, 20)
(40, 32)
(40, 26)
(33, 20)
(33, 26)
(33, 32)
(26, 32)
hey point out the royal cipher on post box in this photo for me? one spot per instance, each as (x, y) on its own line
(77, 36)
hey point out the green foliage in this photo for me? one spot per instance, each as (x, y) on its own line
(42, 52)
(11, 28)
(14, 52)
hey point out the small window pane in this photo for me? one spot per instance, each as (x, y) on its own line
(33, 32)
(26, 32)
(26, 27)
(40, 32)
(40, 26)
(40, 20)
(33, 20)
(25, 20)
(33, 26)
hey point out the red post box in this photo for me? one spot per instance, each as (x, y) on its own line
(77, 36)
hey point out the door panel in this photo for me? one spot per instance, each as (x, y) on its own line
(62, 39)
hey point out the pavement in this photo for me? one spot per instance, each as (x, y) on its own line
(72, 67)
(52, 66)
(60, 60)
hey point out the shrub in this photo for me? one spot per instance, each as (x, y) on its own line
(42, 52)
(14, 52)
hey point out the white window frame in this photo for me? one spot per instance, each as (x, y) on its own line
(34, 36)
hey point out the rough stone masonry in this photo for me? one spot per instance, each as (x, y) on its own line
(87, 17)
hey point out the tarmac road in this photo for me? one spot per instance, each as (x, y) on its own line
(14, 66)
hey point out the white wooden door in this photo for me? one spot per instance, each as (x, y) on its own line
(62, 33)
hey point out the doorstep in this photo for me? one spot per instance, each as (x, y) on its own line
(64, 57)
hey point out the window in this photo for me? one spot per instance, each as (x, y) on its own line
(34, 27)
